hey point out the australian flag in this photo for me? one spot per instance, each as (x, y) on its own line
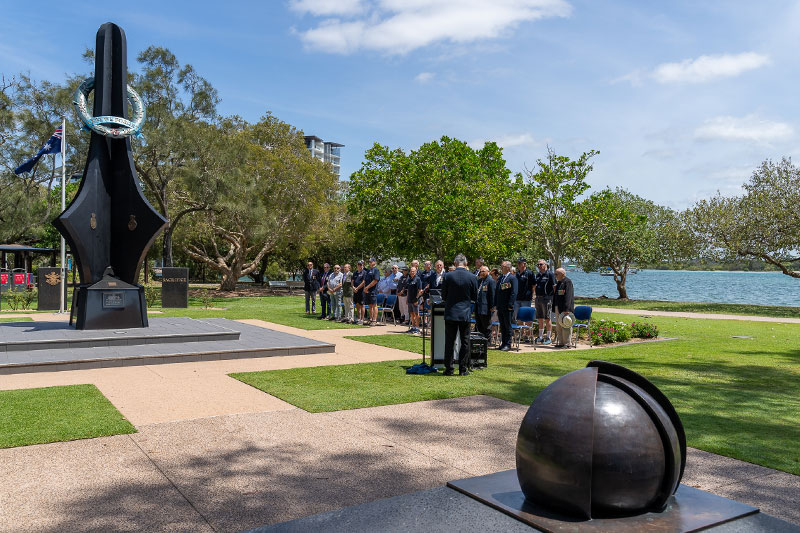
(52, 146)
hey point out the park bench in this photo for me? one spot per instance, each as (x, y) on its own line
(275, 286)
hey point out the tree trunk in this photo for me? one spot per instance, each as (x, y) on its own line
(230, 278)
(623, 292)
(168, 246)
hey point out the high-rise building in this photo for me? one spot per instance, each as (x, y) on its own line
(327, 151)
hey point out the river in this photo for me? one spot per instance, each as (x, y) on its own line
(760, 288)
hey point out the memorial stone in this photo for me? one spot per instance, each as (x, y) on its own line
(175, 287)
(49, 279)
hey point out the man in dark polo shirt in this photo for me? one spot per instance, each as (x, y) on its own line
(526, 279)
(413, 293)
(545, 285)
(371, 280)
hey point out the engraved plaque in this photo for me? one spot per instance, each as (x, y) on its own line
(113, 300)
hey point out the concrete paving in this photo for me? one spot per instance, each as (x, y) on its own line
(235, 472)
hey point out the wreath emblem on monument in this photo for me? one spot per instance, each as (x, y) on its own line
(106, 125)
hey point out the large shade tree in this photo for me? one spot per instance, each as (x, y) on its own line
(268, 194)
(180, 106)
(547, 210)
(439, 200)
(761, 224)
(621, 229)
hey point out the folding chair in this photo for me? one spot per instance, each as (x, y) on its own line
(583, 314)
(388, 306)
(527, 315)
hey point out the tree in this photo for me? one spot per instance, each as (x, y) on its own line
(619, 232)
(441, 199)
(180, 105)
(271, 188)
(761, 224)
(547, 207)
(30, 111)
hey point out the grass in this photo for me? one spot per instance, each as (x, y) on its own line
(694, 307)
(736, 397)
(286, 310)
(16, 319)
(56, 414)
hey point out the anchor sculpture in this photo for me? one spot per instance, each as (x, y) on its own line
(109, 225)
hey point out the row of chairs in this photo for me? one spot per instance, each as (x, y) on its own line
(527, 315)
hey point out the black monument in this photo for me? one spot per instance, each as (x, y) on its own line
(49, 281)
(174, 287)
(109, 225)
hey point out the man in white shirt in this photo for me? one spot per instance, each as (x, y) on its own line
(335, 292)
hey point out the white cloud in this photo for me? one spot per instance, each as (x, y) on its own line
(320, 8)
(509, 141)
(748, 128)
(708, 68)
(400, 26)
(424, 77)
(700, 70)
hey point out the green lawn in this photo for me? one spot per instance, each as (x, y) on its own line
(694, 307)
(15, 319)
(286, 310)
(736, 397)
(55, 414)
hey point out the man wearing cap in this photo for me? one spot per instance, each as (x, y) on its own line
(564, 304)
(311, 287)
(505, 296)
(459, 292)
(526, 279)
(371, 290)
(358, 290)
(545, 285)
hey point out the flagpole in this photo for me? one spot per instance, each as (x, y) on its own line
(62, 307)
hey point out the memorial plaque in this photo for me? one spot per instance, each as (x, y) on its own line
(174, 287)
(113, 300)
(49, 286)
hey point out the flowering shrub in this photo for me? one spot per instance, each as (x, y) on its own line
(644, 330)
(607, 331)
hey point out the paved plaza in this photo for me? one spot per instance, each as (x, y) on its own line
(213, 454)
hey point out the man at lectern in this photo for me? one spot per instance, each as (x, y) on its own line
(459, 291)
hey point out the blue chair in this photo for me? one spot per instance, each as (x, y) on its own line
(526, 315)
(583, 314)
(387, 305)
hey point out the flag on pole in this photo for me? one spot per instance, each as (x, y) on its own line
(52, 146)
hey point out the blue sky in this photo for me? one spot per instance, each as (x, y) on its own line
(681, 98)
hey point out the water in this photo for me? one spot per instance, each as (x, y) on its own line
(760, 288)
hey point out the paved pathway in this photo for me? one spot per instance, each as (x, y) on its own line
(213, 454)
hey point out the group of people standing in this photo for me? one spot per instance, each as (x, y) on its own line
(499, 297)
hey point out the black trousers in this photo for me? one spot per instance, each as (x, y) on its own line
(483, 325)
(325, 301)
(504, 317)
(451, 329)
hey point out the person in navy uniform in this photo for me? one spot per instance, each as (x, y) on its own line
(311, 287)
(506, 295)
(484, 305)
(324, 297)
(459, 292)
